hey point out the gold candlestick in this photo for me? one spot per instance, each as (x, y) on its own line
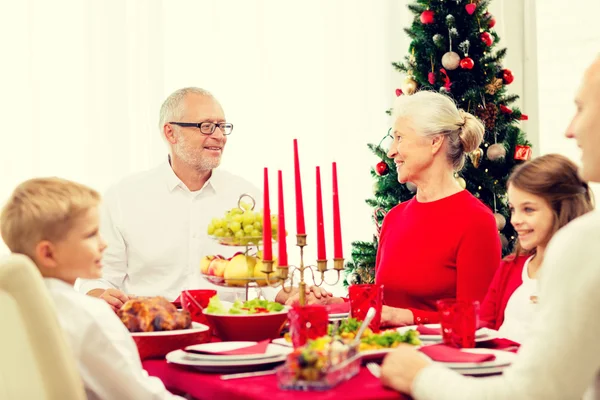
(321, 266)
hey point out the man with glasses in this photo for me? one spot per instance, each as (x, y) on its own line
(155, 222)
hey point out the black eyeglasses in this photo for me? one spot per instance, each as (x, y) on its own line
(207, 128)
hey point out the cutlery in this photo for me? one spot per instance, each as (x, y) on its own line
(374, 369)
(247, 374)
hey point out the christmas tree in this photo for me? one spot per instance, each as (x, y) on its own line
(454, 51)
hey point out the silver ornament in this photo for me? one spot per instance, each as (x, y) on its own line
(500, 221)
(496, 152)
(451, 60)
(411, 186)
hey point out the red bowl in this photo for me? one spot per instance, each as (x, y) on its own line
(158, 344)
(252, 327)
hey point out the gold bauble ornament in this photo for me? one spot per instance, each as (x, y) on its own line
(496, 152)
(475, 157)
(500, 221)
(409, 86)
(461, 181)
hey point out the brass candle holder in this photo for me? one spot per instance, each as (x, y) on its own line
(285, 274)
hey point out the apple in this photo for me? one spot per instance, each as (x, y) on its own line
(239, 268)
(217, 266)
(205, 263)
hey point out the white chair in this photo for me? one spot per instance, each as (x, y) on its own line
(35, 359)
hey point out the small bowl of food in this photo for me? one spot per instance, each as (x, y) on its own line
(252, 320)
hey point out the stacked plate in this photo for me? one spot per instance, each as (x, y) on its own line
(503, 360)
(217, 363)
(481, 335)
(338, 316)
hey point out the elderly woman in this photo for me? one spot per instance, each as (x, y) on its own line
(443, 243)
(560, 359)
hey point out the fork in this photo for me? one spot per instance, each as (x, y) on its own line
(374, 369)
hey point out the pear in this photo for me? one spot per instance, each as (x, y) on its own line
(261, 277)
(239, 269)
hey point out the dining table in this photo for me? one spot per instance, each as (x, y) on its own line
(200, 385)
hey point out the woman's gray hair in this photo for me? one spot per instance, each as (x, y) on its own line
(172, 107)
(434, 114)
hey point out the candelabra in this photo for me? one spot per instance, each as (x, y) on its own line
(286, 272)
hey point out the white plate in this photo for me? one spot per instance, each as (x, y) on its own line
(196, 327)
(273, 351)
(282, 342)
(503, 359)
(481, 335)
(180, 357)
(336, 316)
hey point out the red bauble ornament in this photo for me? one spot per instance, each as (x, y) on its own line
(382, 168)
(505, 109)
(522, 152)
(427, 17)
(524, 117)
(471, 8)
(507, 76)
(491, 20)
(487, 39)
(431, 77)
(398, 92)
(467, 63)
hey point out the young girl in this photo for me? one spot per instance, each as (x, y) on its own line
(544, 195)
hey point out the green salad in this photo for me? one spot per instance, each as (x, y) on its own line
(254, 306)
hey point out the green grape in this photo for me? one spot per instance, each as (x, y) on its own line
(236, 211)
(235, 226)
(217, 223)
(248, 228)
(245, 206)
(211, 229)
(255, 233)
(273, 224)
(239, 234)
(219, 232)
(258, 225)
(248, 218)
(237, 218)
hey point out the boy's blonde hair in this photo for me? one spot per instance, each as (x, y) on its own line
(43, 209)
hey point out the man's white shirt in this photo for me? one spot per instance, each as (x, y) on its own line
(156, 230)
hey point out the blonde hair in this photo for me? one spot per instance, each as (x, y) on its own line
(433, 114)
(43, 209)
(172, 108)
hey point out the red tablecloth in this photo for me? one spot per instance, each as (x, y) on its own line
(364, 386)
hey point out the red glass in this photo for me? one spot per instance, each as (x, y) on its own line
(307, 322)
(363, 297)
(195, 301)
(459, 320)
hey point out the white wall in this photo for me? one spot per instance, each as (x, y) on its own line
(568, 41)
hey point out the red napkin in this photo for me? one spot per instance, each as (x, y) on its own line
(424, 330)
(499, 344)
(177, 302)
(443, 353)
(258, 348)
(338, 308)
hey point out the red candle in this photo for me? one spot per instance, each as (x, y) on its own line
(321, 255)
(282, 257)
(300, 228)
(267, 240)
(337, 226)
